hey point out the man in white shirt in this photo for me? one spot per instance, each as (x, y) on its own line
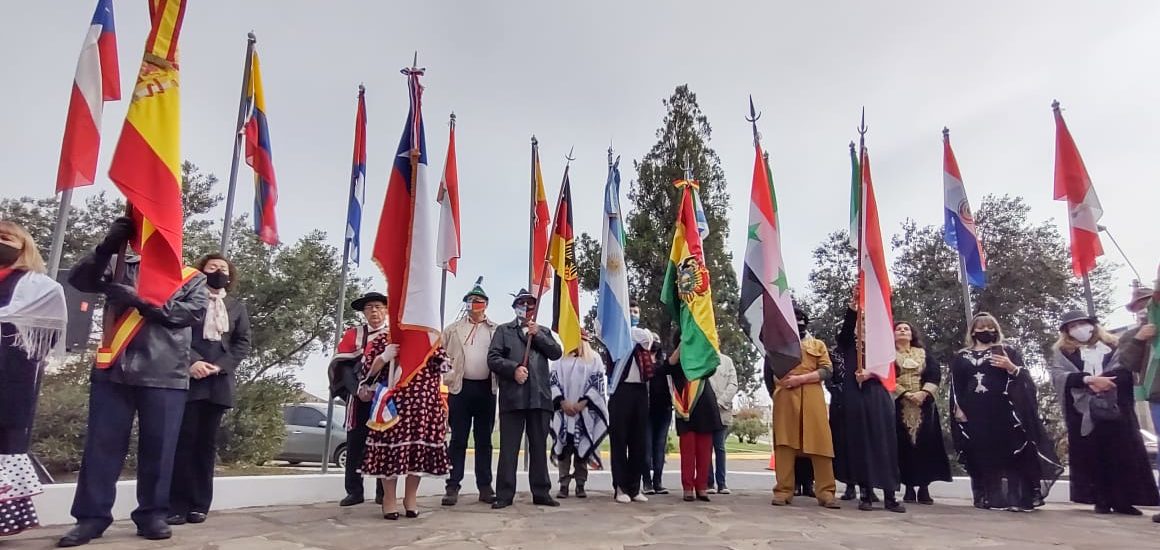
(471, 393)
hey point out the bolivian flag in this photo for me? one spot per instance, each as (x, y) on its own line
(146, 165)
(562, 256)
(688, 295)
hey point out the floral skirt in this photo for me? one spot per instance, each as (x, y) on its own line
(416, 445)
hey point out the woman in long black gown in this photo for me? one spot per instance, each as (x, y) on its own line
(922, 457)
(998, 430)
(1107, 463)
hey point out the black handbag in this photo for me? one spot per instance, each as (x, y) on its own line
(1104, 407)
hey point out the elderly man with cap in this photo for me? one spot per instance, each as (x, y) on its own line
(1139, 349)
(519, 356)
(471, 389)
(344, 382)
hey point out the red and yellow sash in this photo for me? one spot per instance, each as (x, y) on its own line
(127, 327)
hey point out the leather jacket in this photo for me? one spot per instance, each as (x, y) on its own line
(158, 356)
(507, 352)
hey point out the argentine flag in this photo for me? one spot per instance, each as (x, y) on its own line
(612, 317)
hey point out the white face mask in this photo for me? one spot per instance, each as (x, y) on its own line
(1081, 333)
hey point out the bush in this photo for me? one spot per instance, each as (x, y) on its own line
(748, 430)
(252, 432)
(58, 432)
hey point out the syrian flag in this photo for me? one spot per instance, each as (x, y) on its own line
(876, 319)
(766, 309)
(448, 198)
(1084, 211)
(97, 81)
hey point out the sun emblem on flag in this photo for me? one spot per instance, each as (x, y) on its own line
(615, 263)
(692, 279)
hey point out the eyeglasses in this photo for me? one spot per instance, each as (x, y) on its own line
(376, 307)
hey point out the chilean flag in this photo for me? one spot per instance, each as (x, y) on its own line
(97, 80)
(405, 247)
(959, 231)
(1073, 184)
(876, 317)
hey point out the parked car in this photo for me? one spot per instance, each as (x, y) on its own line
(1150, 444)
(306, 434)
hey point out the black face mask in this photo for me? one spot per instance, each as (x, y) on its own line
(9, 254)
(802, 329)
(217, 280)
(987, 336)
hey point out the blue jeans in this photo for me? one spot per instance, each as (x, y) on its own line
(657, 437)
(718, 461)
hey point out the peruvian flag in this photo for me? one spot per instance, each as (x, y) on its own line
(448, 199)
(1084, 211)
(97, 80)
(875, 319)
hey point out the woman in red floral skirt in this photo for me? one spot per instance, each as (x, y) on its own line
(415, 445)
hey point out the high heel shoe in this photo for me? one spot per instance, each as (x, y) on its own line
(412, 514)
(393, 516)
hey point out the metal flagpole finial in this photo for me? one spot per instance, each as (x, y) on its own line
(414, 69)
(946, 134)
(535, 141)
(569, 156)
(752, 118)
(1055, 105)
(688, 167)
(452, 119)
(361, 89)
(862, 129)
(251, 36)
(610, 152)
(851, 146)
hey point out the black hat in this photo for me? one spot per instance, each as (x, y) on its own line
(1140, 297)
(367, 298)
(477, 290)
(1073, 316)
(523, 296)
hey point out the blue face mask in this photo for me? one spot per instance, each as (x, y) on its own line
(635, 320)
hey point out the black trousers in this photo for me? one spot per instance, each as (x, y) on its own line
(628, 426)
(356, 449)
(112, 408)
(473, 405)
(512, 427)
(192, 487)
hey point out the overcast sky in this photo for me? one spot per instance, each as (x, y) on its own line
(583, 73)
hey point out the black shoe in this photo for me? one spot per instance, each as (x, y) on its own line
(647, 488)
(451, 498)
(351, 500)
(500, 504)
(580, 492)
(1156, 518)
(545, 501)
(563, 491)
(1128, 510)
(391, 516)
(908, 496)
(895, 506)
(412, 514)
(176, 519)
(865, 506)
(79, 536)
(849, 494)
(486, 495)
(1103, 509)
(924, 496)
(160, 531)
(661, 490)
(703, 498)
(194, 517)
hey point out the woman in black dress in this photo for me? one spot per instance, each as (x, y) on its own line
(998, 430)
(922, 457)
(1107, 463)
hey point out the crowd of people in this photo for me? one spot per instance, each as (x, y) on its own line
(171, 368)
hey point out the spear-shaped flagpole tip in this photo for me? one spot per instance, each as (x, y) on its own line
(610, 152)
(862, 127)
(569, 156)
(752, 118)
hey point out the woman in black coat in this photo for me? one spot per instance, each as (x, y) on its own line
(1106, 458)
(219, 344)
(922, 457)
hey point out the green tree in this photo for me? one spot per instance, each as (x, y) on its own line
(831, 283)
(685, 129)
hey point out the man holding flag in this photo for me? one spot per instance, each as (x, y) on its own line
(142, 368)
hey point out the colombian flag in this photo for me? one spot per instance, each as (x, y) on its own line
(260, 158)
(539, 216)
(146, 165)
(688, 295)
(562, 256)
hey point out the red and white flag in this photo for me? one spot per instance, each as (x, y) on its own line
(876, 317)
(97, 80)
(1084, 211)
(447, 251)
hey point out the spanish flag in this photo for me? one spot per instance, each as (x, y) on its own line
(688, 295)
(562, 256)
(146, 165)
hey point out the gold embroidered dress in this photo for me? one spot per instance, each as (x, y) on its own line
(922, 456)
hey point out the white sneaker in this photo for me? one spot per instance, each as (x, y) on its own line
(623, 498)
(640, 498)
(724, 492)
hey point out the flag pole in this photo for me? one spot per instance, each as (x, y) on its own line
(860, 333)
(532, 215)
(226, 225)
(1087, 293)
(57, 250)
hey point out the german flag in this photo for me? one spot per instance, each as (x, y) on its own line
(146, 165)
(562, 256)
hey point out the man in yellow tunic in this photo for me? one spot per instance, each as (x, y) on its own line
(800, 423)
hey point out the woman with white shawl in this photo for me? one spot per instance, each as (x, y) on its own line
(580, 421)
(32, 324)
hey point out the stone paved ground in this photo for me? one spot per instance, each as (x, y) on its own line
(739, 521)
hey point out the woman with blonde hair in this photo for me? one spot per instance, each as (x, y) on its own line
(997, 428)
(580, 419)
(1107, 462)
(32, 325)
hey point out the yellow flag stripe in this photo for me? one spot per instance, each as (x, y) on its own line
(166, 33)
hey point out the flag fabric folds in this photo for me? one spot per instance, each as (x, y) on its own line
(855, 198)
(540, 226)
(687, 293)
(562, 257)
(97, 80)
(612, 299)
(959, 231)
(448, 198)
(766, 306)
(875, 316)
(146, 164)
(1084, 211)
(358, 176)
(404, 247)
(260, 158)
